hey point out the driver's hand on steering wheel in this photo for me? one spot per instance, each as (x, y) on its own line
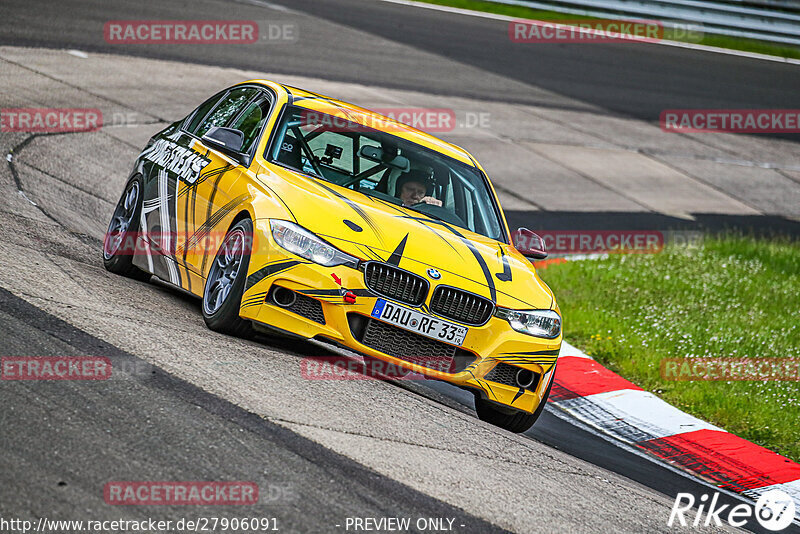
(430, 200)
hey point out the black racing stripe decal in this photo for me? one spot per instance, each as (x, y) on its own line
(253, 300)
(543, 363)
(186, 235)
(255, 296)
(397, 255)
(218, 172)
(481, 261)
(522, 361)
(188, 279)
(505, 276)
(355, 207)
(484, 385)
(487, 385)
(282, 201)
(213, 195)
(404, 214)
(518, 395)
(534, 353)
(194, 217)
(269, 270)
(186, 238)
(369, 252)
(336, 292)
(321, 292)
(212, 221)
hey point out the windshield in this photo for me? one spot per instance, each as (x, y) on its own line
(384, 166)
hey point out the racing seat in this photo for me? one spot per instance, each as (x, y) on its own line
(388, 181)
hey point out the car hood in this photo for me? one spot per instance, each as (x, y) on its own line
(372, 229)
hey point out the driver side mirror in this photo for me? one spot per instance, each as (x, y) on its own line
(228, 141)
(529, 243)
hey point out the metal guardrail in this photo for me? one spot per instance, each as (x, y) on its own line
(779, 24)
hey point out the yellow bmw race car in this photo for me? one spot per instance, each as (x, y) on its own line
(292, 212)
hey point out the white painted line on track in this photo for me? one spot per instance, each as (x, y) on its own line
(676, 44)
(570, 350)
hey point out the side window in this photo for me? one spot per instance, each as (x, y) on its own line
(201, 112)
(252, 121)
(227, 108)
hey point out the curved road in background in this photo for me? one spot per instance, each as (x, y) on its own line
(372, 43)
(398, 46)
(391, 45)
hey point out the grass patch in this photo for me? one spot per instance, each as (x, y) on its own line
(721, 41)
(733, 297)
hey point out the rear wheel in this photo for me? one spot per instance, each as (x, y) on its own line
(120, 241)
(222, 296)
(509, 419)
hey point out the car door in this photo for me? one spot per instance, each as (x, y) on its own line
(183, 180)
(213, 198)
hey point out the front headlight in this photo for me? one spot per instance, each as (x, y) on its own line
(539, 323)
(300, 241)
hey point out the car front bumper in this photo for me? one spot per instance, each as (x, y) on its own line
(334, 304)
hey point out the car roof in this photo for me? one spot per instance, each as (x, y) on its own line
(338, 108)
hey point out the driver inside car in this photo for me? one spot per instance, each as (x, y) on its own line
(415, 187)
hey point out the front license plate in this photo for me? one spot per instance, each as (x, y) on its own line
(420, 323)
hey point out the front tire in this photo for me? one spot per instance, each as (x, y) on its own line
(222, 296)
(119, 244)
(513, 421)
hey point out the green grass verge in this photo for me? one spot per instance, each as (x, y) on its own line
(733, 297)
(721, 41)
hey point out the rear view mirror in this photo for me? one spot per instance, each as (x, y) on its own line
(374, 153)
(530, 244)
(227, 140)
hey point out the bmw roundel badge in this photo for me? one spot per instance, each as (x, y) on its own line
(433, 273)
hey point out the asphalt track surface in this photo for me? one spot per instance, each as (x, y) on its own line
(63, 440)
(352, 40)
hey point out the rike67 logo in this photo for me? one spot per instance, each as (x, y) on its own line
(774, 510)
